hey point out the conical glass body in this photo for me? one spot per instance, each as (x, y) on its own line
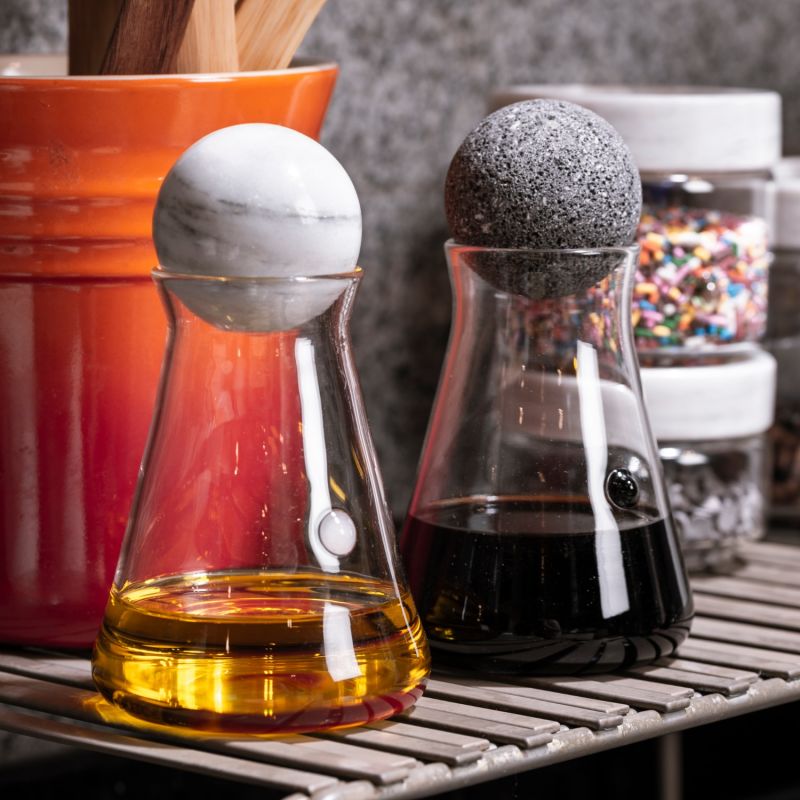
(258, 586)
(538, 539)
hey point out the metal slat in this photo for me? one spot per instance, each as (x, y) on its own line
(745, 611)
(670, 690)
(695, 680)
(707, 669)
(408, 745)
(741, 632)
(112, 742)
(381, 759)
(768, 557)
(769, 574)
(782, 553)
(336, 757)
(289, 751)
(744, 589)
(39, 695)
(390, 760)
(622, 690)
(81, 705)
(68, 670)
(603, 706)
(709, 646)
(497, 732)
(464, 741)
(535, 724)
(435, 778)
(571, 715)
(767, 662)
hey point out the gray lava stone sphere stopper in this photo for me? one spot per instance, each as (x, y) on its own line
(544, 174)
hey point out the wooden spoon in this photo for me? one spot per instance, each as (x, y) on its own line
(209, 44)
(268, 32)
(90, 25)
(147, 37)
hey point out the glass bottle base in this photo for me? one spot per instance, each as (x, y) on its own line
(241, 652)
(519, 586)
(561, 656)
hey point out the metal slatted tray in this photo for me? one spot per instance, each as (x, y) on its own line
(743, 655)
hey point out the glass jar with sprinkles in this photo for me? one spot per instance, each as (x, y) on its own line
(706, 158)
(783, 341)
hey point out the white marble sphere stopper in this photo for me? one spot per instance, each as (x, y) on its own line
(253, 202)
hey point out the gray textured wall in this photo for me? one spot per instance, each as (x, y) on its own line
(414, 76)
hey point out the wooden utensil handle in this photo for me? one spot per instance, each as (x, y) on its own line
(147, 37)
(209, 44)
(268, 32)
(91, 23)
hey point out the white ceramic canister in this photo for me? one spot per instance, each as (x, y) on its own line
(711, 424)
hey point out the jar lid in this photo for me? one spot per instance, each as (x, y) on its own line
(787, 204)
(720, 401)
(676, 129)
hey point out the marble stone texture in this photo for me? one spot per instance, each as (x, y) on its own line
(415, 75)
(257, 201)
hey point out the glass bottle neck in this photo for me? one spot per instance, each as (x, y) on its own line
(519, 309)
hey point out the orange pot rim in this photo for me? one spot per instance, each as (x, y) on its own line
(82, 157)
(59, 60)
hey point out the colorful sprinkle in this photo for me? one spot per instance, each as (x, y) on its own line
(702, 279)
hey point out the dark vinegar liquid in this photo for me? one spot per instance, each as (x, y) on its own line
(529, 586)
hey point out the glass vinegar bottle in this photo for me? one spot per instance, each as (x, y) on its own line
(258, 588)
(539, 539)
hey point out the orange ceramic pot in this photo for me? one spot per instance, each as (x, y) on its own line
(82, 331)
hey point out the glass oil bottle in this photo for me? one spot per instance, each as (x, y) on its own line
(258, 589)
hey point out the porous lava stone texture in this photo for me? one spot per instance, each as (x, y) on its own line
(543, 174)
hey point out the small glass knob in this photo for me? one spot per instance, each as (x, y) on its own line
(337, 532)
(622, 489)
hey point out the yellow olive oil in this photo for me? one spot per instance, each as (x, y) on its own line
(261, 652)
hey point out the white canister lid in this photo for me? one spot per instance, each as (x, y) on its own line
(677, 129)
(704, 403)
(787, 204)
